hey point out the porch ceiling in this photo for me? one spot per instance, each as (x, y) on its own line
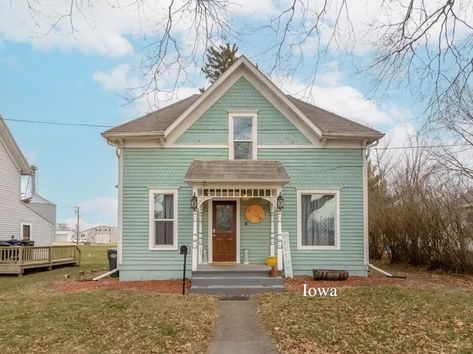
(246, 171)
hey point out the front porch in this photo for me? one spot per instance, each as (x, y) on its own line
(226, 235)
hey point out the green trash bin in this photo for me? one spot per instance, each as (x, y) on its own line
(27, 243)
(112, 260)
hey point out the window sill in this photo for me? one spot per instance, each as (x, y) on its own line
(163, 248)
(318, 248)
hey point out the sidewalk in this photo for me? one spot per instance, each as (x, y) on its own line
(238, 331)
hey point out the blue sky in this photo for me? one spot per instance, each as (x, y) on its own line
(83, 78)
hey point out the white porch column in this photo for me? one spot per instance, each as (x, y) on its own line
(194, 241)
(271, 236)
(201, 246)
(279, 240)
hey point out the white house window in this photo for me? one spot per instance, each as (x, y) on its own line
(318, 219)
(163, 219)
(242, 136)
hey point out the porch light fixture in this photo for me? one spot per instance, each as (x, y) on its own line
(280, 202)
(194, 203)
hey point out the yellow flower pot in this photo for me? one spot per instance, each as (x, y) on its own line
(271, 261)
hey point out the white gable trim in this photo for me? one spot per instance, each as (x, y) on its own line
(13, 150)
(242, 68)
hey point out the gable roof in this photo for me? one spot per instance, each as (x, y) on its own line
(13, 149)
(322, 123)
(236, 171)
(157, 121)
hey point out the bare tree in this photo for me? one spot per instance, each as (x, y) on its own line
(455, 118)
(426, 45)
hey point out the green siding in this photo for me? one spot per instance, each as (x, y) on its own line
(212, 127)
(307, 168)
(155, 168)
(325, 168)
(254, 237)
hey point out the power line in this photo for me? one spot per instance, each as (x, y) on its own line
(111, 126)
(59, 123)
(417, 147)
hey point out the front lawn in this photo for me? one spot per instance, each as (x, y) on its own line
(38, 317)
(388, 318)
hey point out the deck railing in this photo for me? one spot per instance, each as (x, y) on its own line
(41, 255)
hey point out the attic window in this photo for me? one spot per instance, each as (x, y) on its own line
(242, 136)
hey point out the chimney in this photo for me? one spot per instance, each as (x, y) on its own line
(34, 180)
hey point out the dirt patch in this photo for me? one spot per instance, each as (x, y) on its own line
(160, 286)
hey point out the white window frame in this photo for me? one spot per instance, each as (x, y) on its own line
(31, 230)
(254, 133)
(152, 236)
(335, 192)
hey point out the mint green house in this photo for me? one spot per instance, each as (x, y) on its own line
(232, 174)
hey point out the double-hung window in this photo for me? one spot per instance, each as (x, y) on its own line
(163, 219)
(318, 219)
(242, 136)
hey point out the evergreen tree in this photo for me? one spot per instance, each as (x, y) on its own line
(218, 60)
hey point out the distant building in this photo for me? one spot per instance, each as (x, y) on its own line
(100, 234)
(64, 234)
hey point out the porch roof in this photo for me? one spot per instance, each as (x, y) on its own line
(226, 171)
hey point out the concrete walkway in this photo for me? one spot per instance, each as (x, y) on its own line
(238, 331)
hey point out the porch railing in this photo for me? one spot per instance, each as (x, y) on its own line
(28, 257)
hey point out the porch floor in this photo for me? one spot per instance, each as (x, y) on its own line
(237, 267)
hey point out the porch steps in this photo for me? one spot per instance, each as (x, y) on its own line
(235, 282)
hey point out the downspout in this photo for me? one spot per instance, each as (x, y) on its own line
(118, 153)
(366, 155)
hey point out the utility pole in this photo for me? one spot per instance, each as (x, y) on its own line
(77, 225)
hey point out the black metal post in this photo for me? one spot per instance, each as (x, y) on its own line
(183, 251)
(184, 276)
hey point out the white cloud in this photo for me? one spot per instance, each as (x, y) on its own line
(100, 29)
(104, 205)
(341, 99)
(258, 9)
(117, 78)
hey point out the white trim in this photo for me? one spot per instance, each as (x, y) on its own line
(31, 230)
(254, 132)
(365, 210)
(358, 144)
(333, 191)
(197, 146)
(120, 206)
(210, 224)
(152, 245)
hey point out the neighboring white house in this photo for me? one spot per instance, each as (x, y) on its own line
(64, 234)
(100, 234)
(32, 218)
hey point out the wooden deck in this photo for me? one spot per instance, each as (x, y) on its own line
(14, 260)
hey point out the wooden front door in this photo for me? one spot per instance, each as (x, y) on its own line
(224, 231)
(26, 232)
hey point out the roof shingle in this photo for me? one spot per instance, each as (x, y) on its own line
(327, 122)
(236, 171)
